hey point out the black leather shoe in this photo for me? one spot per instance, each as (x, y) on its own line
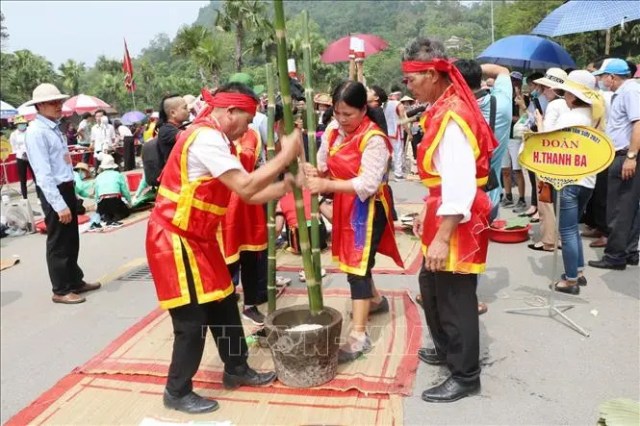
(191, 403)
(249, 378)
(633, 260)
(603, 264)
(451, 390)
(430, 356)
(570, 289)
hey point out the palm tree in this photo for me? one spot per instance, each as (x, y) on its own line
(239, 16)
(72, 72)
(197, 43)
(29, 70)
(263, 41)
(3, 30)
(111, 90)
(208, 57)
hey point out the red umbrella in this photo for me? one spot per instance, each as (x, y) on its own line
(338, 51)
(83, 103)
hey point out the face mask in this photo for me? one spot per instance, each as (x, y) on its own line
(22, 127)
(534, 94)
(602, 87)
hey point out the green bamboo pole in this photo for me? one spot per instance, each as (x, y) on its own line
(271, 205)
(314, 288)
(311, 136)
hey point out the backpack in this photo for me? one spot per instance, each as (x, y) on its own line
(152, 162)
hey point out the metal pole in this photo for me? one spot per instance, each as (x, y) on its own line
(133, 97)
(493, 34)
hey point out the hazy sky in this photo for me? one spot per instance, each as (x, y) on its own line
(84, 30)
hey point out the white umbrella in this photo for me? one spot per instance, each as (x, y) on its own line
(7, 110)
(28, 112)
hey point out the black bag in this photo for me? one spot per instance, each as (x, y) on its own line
(492, 182)
(152, 162)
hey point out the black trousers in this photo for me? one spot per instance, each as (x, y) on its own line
(251, 268)
(63, 243)
(596, 213)
(362, 286)
(190, 324)
(451, 309)
(22, 166)
(112, 209)
(534, 188)
(129, 153)
(623, 215)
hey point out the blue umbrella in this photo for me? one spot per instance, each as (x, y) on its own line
(527, 52)
(132, 117)
(582, 16)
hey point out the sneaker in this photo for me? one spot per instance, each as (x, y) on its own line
(95, 227)
(282, 281)
(354, 348)
(507, 202)
(520, 206)
(115, 224)
(398, 178)
(303, 278)
(254, 315)
(381, 307)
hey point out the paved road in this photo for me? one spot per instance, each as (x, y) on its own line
(535, 369)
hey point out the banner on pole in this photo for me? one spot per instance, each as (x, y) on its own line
(564, 157)
(127, 67)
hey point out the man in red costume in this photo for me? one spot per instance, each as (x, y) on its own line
(185, 258)
(453, 162)
(244, 234)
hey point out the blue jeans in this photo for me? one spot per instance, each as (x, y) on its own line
(573, 203)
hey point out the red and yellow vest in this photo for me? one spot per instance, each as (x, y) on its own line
(186, 218)
(244, 227)
(469, 243)
(352, 218)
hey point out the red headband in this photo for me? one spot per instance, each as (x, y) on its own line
(231, 99)
(422, 66)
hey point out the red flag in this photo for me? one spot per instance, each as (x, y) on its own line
(127, 67)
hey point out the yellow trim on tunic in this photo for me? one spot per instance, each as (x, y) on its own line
(203, 297)
(184, 298)
(195, 203)
(361, 269)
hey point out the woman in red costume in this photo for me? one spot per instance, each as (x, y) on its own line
(185, 258)
(353, 163)
(453, 162)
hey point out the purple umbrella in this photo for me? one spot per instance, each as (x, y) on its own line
(133, 117)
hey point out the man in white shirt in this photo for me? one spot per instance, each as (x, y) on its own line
(456, 215)
(103, 136)
(19, 148)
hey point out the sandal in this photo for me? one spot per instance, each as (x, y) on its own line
(569, 289)
(537, 247)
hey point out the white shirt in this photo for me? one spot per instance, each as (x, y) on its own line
(124, 131)
(102, 137)
(554, 110)
(577, 117)
(455, 163)
(18, 145)
(209, 155)
(84, 129)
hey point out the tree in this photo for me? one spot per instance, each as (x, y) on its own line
(107, 65)
(197, 43)
(26, 71)
(239, 16)
(72, 73)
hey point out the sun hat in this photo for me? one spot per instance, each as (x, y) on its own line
(581, 84)
(552, 78)
(155, 114)
(107, 162)
(247, 80)
(613, 66)
(82, 166)
(516, 75)
(323, 99)
(45, 92)
(406, 99)
(20, 120)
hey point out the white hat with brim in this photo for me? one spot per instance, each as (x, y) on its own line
(552, 78)
(107, 162)
(45, 92)
(579, 83)
(406, 99)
